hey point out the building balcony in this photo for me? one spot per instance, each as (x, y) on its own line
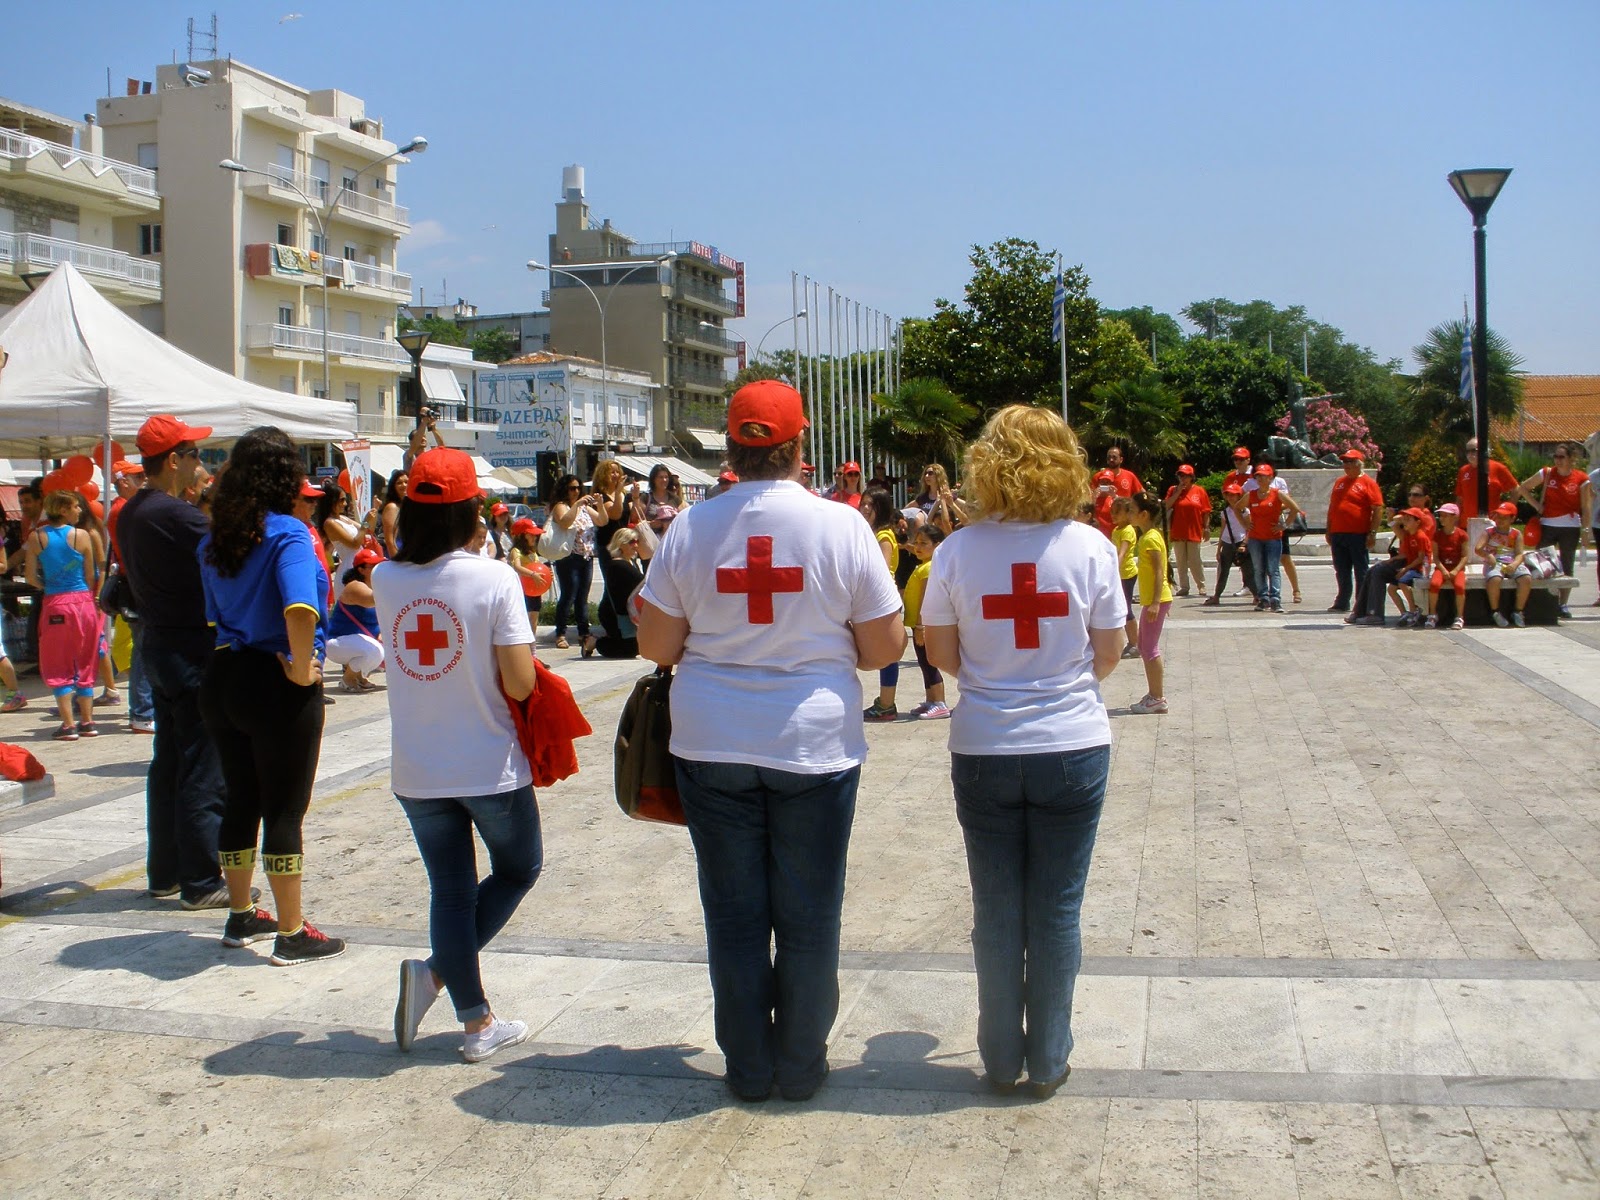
(42, 168)
(705, 295)
(709, 337)
(289, 264)
(355, 274)
(285, 186)
(709, 256)
(372, 211)
(304, 343)
(122, 277)
(696, 377)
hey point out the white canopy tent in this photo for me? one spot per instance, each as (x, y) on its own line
(82, 371)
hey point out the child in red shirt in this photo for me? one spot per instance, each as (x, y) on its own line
(1450, 562)
(1416, 547)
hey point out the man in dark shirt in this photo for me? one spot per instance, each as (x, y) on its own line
(158, 534)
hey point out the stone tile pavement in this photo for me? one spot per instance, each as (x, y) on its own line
(1340, 934)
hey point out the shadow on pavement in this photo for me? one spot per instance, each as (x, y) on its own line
(346, 1054)
(165, 956)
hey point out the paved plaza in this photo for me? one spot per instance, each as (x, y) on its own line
(1342, 939)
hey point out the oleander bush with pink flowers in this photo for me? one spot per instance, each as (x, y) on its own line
(1333, 430)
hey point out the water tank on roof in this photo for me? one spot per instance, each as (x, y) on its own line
(572, 182)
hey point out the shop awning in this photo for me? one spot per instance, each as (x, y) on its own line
(386, 460)
(709, 440)
(440, 384)
(640, 464)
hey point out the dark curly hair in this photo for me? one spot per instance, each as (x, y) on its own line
(332, 493)
(263, 475)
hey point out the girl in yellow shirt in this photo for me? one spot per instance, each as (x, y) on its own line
(1125, 538)
(923, 545)
(1155, 599)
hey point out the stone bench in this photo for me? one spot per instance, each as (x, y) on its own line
(1543, 600)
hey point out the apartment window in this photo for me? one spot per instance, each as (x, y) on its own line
(285, 314)
(67, 231)
(150, 239)
(285, 157)
(286, 383)
(350, 252)
(321, 172)
(147, 157)
(319, 243)
(352, 393)
(352, 324)
(285, 235)
(320, 392)
(348, 182)
(383, 399)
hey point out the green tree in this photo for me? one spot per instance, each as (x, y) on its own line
(921, 421)
(446, 333)
(1147, 323)
(1143, 415)
(994, 348)
(1231, 394)
(1114, 354)
(1433, 396)
(493, 345)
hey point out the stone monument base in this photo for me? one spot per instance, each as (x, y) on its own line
(1311, 488)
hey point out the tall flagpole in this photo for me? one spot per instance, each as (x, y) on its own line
(833, 378)
(1061, 297)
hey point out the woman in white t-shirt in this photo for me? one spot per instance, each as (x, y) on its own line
(454, 633)
(1025, 608)
(769, 600)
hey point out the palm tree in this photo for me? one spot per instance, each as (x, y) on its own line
(1141, 414)
(1433, 398)
(921, 421)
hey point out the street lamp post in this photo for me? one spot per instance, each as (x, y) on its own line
(415, 342)
(1478, 188)
(415, 146)
(600, 305)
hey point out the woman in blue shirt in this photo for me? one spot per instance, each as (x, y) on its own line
(266, 595)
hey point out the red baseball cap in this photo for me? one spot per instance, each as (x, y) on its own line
(163, 433)
(1186, 469)
(771, 403)
(1240, 452)
(498, 510)
(1356, 455)
(1416, 514)
(1232, 489)
(366, 556)
(123, 467)
(523, 525)
(1264, 469)
(805, 466)
(310, 491)
(728, 477)
(442, 476)
(1507, 509)
(851, 468)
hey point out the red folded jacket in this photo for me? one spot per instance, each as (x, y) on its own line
(548, 723)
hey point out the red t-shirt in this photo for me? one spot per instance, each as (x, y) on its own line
(1450, 548)
(1500, 482)
(1563, 494)
(1351, 504)
(1266, 511)
(1190, 509)
(1121, 482)
(1415, 545)
(853, 499)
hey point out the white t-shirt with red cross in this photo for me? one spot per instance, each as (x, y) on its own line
(451, 726)
(1023, 598)
(767, 575)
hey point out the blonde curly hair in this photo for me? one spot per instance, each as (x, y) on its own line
(1026, 465)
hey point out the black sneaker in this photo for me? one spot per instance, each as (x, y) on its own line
(306, 946)
(244, 928)
(216, 898)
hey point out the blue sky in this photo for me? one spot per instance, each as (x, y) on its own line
(1290, 152)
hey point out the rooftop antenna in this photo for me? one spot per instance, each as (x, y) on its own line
(203, 41)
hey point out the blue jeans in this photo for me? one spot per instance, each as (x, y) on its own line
(183, 788)
(1349, 565)
(1265, 557)
(573, 574)
(1029, 821)
(771, 848)
(141, 703)
(465, 913)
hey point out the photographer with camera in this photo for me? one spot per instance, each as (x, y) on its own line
(427, 422)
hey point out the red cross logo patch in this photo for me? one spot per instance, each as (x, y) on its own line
(426, 639)
(1024, 605)
(758, 580)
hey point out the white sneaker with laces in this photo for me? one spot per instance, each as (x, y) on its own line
(418, 991)
(476, 1047)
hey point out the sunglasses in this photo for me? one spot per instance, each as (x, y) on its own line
(191, 452)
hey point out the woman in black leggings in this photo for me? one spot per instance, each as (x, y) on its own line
(266, 594)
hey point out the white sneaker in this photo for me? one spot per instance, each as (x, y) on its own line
(418, 991)
(1458, 623)
(1516, 619)
(921, 708)
(1500, 620)
(478, 1046)
(934, 712)
(140, 725)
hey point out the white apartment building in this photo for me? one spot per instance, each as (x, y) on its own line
(252, 261)
(63, 200)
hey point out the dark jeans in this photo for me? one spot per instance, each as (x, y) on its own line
(771, 848)
(1029, 821)
(465, 913)
(1349, 565)
(1373, 594)
(573, 574)
(183, 789)
(1225, 553)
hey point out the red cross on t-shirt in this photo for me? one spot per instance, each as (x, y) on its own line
(426, 640)
(759, 580)
(1024, 605)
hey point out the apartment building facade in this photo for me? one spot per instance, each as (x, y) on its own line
(666, 305)
(252, 261)
(64, 199)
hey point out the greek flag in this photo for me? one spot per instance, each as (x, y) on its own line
(1468, 386)
(1058, 310)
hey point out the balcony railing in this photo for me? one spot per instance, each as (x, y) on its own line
(709, 254)
(695, 375)
(35, 250)
(310, 187)
(704, 335)
(704, 294)
(371, 206)
(16, 145)
(362, 274)
(308, 339)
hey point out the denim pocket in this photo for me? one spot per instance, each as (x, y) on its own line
(965, 770)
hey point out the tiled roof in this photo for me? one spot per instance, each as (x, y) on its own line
(1555, 408)
(548, 356)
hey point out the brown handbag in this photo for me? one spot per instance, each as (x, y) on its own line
(647, 786)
